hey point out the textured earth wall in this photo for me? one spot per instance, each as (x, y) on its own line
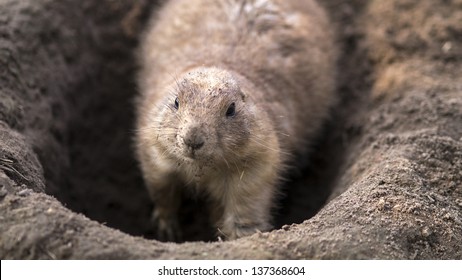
(384, 182)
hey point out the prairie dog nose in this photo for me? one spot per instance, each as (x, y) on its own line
(194, 138)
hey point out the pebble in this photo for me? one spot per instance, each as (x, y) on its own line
(447, 46)
(426, 232)
(3, 192)
(25, 192)
(459, 202)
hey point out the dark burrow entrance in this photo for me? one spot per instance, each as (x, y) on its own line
(100, 177)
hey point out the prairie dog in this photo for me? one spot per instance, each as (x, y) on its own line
(231, 92)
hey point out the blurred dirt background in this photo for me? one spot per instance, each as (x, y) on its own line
(384, 182)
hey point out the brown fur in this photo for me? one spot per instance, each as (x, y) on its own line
(274, 60)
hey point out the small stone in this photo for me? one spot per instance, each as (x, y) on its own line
(426, 232)
(459, 202)
(25, 192)
(286, 227)
(447, 46)
(3, 192)
(439, 197)
(381, 203)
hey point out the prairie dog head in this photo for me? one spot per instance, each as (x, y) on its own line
(203, 118)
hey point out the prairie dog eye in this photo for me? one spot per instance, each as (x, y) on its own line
(231, 112)
(177, 103)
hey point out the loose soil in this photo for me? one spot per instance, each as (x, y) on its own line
(384, 180)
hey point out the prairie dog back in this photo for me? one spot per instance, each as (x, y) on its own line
(231, 92)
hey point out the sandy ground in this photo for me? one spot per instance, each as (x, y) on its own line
(385, 179)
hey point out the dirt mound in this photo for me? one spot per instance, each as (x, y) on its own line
(385, 180)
